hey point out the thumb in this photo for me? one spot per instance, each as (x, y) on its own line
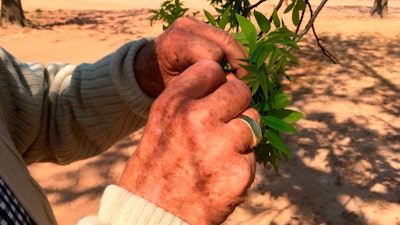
(197, 81)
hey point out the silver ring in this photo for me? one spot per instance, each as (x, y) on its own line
(255, 130)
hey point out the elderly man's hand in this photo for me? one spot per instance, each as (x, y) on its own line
(186, 42)
(194, 158)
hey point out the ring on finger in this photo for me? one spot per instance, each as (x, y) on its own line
(255, 130)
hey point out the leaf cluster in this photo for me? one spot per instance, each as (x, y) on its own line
(241, 7)
(296, 7)
(266, 66)
(169, 11)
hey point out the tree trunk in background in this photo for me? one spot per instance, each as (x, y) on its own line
(380, 8)
(11, 12)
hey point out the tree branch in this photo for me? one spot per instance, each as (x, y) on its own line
(279, 5)
(313, 17)
(300, 21)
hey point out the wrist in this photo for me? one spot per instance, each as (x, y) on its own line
(147, 70)
(178, 198)
(119, 206)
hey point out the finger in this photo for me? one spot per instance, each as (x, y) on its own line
(243, 131)
(228, 101)
(204, 49)
(252, 113)
(251, 160)
(233, 51)
(197, 81)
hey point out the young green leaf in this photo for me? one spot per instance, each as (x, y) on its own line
(275, 18)
(277, 142)
(290, 7)
(295, 17)
(287, 115)
(262, 21)
(281, 100)
(261, 53)
(210, 18)
(224, 18)
(249, 31)
(265, 85)
(300, 5)
(288, 42)
(241, 38)
(272, 59)
(254, 87)
(278, 124)
(273, 157)
(289, 55)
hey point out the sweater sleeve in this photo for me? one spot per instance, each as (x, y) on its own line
(64, 113)
(120, 207)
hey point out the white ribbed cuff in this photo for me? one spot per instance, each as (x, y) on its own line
(121, 207)
(125, 80)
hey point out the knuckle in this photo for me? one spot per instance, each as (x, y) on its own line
(244, 90)
(182, 22)
(227, 38)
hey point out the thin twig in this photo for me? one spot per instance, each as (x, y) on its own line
(310, 25)
(279, 5)
(323, 49)
(256, 5)
(300, 21)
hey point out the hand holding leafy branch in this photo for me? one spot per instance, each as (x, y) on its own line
(267, 42)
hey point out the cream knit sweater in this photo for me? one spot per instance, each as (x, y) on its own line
(64, 113)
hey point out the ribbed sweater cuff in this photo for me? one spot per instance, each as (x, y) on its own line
(125, 83)
(121, 207)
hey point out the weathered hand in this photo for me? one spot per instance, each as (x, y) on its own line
(186, 42)
(194, 158)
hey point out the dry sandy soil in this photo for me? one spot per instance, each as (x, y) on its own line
(345, 160)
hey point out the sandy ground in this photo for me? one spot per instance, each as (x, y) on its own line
(345, 160)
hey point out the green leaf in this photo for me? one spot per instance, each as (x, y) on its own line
(253, 82)
(210, 18)
(262, 21)
(289, 7)
(250, 77)
(288, 42)
(265, 84)
(261, 53)
(300, 5)
(224, 18)
(251, 69)
(274, 158)
(287, 115)
(262, 57)
(278, 124)
(275, 18)
(278, 35)
(277, 142)
(241, 38)
(249, 31)
(289, 55)
(295, 17)
(280, 101)
(254, 87)
(272, 59)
